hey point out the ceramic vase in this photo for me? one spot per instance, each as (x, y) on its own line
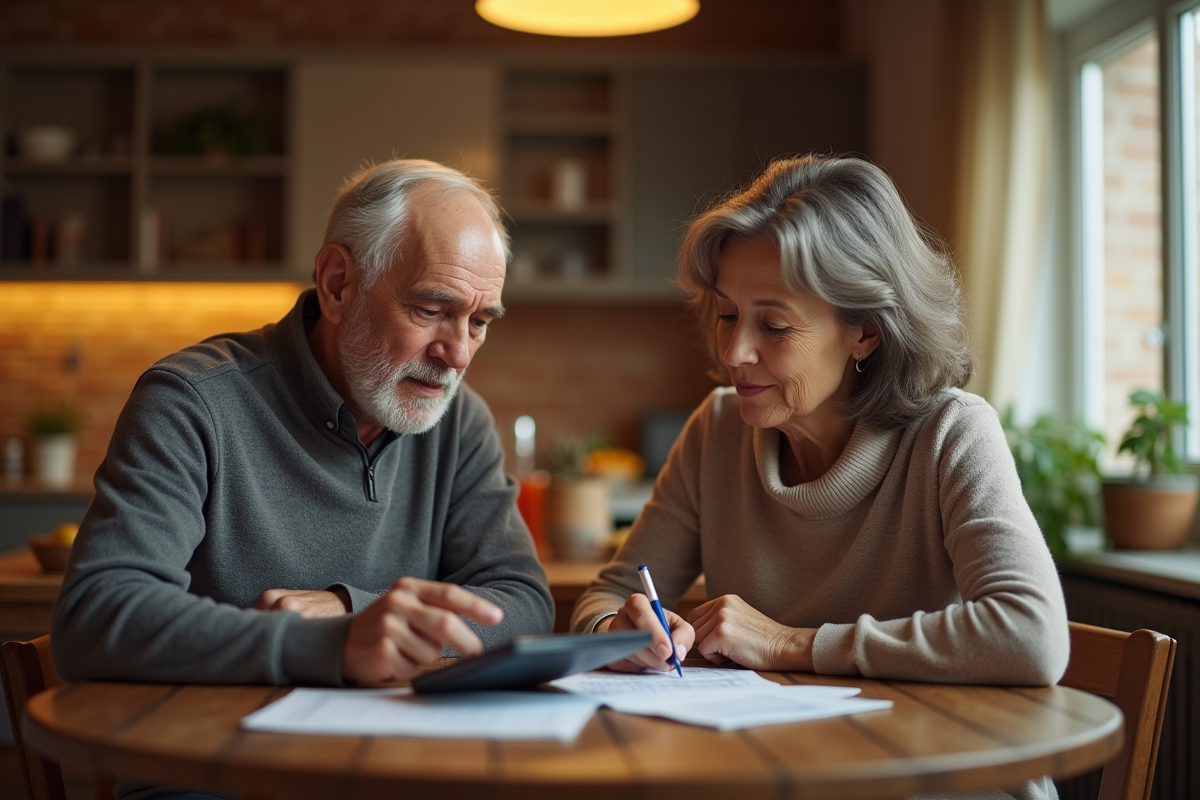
(577, 518)
(56, 460)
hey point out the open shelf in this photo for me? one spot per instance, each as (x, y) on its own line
(560, 142)
(177, 169)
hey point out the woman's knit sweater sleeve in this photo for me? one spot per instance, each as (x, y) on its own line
(1011, 625)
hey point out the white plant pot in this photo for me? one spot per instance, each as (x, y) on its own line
(578, 519)
(56, 460)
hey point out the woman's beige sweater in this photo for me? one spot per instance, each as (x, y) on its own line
(915, 555)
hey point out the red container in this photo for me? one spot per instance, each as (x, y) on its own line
(531, 502)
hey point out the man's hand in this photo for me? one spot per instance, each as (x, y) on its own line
(306, 603)
(638, 614)
(391, 639)
(730, 629)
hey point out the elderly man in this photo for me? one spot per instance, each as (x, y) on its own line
(321, 500)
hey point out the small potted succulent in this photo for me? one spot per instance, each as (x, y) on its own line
(54, 427)
(1153, 508)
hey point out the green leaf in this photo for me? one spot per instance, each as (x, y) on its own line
(1151, 436)
(53, 418)
(1060, 477)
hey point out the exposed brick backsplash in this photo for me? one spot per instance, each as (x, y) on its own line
(575, 369)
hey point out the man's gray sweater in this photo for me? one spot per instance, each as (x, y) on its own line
(235, 468)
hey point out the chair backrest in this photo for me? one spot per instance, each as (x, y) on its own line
(1134, 670)
(27, 669)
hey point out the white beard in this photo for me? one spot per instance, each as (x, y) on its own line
(375, 385)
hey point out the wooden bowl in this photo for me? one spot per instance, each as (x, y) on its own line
(53, 557)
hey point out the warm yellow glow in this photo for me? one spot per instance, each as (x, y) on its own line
(87, 342)
(63, 303)
(587, 17)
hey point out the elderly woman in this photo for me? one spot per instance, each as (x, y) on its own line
(854, 512)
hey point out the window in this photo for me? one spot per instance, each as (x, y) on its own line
(1189, 150)
(1123, 212)
(1137, 113)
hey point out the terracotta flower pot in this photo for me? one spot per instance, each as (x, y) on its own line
(1151, 514)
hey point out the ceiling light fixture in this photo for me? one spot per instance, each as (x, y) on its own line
(587, 17)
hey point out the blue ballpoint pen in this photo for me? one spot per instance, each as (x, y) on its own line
(648, 585)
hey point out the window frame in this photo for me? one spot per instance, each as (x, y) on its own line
(1093, 39)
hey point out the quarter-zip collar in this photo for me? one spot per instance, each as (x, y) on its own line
(313, 392)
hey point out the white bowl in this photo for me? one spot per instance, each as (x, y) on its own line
(46, 142)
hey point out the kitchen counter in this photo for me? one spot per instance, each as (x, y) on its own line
(27, 593)
(31, 487)
(29, 506)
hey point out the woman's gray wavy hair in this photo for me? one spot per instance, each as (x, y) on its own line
(845, 235)
(369, 217)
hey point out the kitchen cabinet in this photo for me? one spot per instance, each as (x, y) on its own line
(29, 508)
(658, 141)
(563, 146)
(699, 132)
(350, 112)
(599, 162)
(179, 168)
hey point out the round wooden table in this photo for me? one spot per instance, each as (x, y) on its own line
(936, 738)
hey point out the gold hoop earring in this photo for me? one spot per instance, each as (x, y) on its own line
(858, 365)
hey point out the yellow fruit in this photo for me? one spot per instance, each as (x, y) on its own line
(614, 462)
(64, 535)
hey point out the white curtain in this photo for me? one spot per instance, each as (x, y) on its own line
(998, 103)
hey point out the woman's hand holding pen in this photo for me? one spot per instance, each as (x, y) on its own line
(637, 614)
(730, 629)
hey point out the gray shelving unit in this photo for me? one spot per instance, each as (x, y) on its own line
(141, 208)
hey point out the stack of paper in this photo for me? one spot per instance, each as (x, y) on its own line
(726, 699)
(398, 712)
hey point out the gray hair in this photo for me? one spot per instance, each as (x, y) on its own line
(845, 235)
(369, 217)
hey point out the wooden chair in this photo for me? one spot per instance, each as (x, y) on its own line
(28, 669)
(1133, 670)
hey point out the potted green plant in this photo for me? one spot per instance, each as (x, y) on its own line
(1060, 476)
(1153, 508)
(219, 130)
(54, 427)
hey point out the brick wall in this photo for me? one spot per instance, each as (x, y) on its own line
(589, 369)
(580, 369)
(1133, 232)
(576, 370)
(115, 331)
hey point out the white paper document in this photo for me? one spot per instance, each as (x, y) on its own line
(398, 712)
(604, 684)
(724, 699)
(745, 708)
